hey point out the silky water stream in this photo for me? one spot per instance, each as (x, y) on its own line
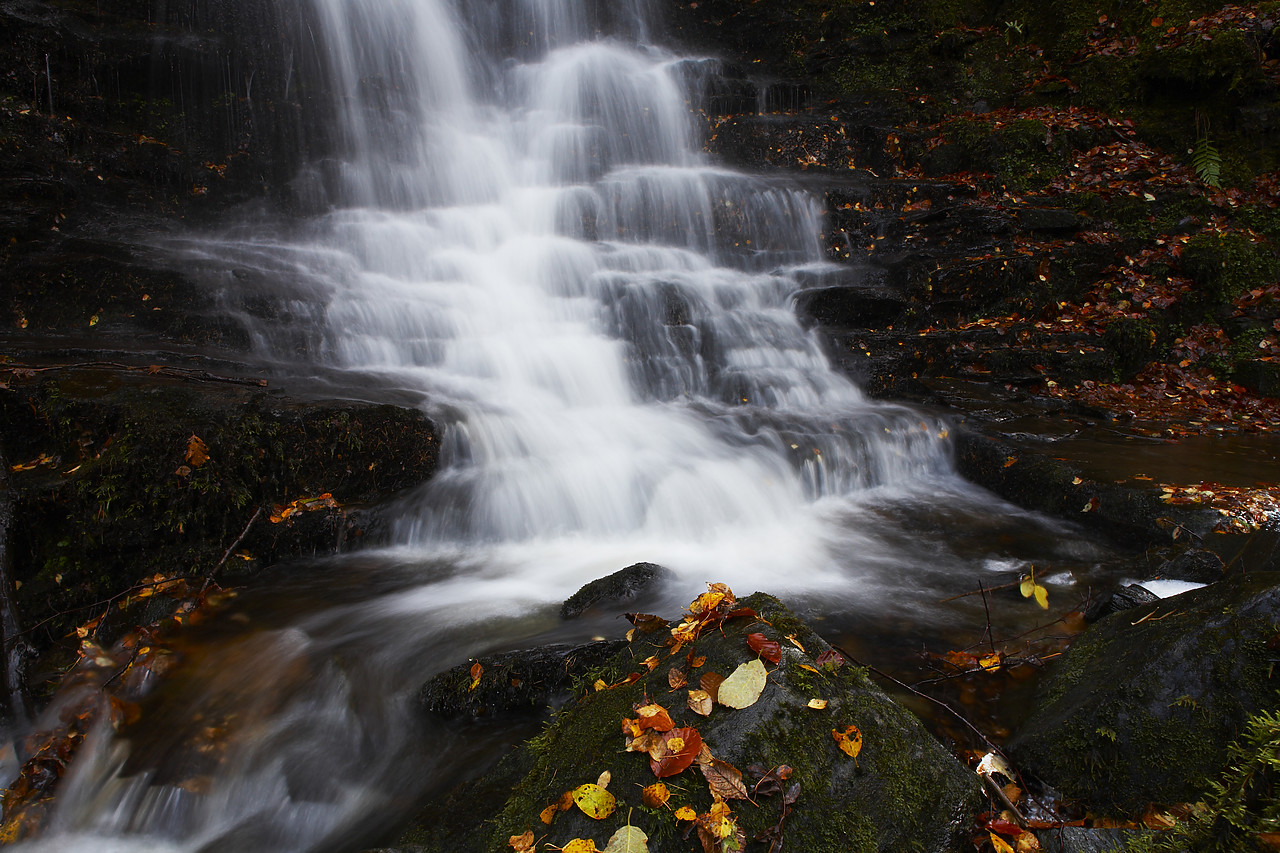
(523, 237)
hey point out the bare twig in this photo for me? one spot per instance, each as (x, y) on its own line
(208, 578)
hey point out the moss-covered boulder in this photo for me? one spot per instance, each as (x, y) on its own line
(1143, 705)
(902, 791)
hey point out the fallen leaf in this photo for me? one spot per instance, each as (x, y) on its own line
(197, 451)
(766, 648)
(476, 671)
(795, 642)
(700, 702)
(1000, 845)
(628, 839)
(710, 682)
(818, 704)
(522, 843)
(594, 801)
(580, 845)
(724, 779)
(605, 778)
(849, 740)
(686, 813)
(743, 687)
(646, 623)
(549, 814)
(655, 717)
(655, 795)
(677, 678)
(683, 746)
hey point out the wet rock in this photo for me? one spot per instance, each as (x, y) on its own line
(529, 680)
(1079, 839)
(1038, 481)
(1127, 598)
(1196, 565)
(1049, 219)
(621, 586)
(1142, 706)
(903, 788)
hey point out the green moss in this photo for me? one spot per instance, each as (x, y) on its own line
(1224, 266)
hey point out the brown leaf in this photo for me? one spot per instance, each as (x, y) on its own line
(724, 779)
(655, 795)
(522, 843)
(646, 623)
(710, 682)
(830, 656)
(700, 702)
(677, 678)
(766, 648)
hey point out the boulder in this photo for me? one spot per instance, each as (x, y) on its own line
(623, 585)
(1142, 706)
(902, 790)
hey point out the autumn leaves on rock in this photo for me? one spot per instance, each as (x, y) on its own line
(672, 751)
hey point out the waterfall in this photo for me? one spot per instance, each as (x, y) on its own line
(516, 227)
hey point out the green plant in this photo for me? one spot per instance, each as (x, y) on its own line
(1239, 807)
(1207, 162)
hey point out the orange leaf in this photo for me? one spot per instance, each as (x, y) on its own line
(476, 671)
(724, 779)
(522, 843)
(655, 795)
(197, 451)
(655, 717)
(849, 740)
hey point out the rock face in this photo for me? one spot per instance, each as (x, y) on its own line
(1143, 705)
(903, 789)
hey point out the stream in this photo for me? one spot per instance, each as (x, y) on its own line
(519, 232)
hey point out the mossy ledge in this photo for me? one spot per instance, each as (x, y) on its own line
(903, 792)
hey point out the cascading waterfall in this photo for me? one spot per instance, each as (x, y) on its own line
(522, 234)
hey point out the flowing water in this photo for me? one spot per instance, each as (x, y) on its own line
(522, 235)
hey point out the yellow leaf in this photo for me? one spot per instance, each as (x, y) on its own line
(586, 845)
(600, 685)
(849, 740)
(549, 814)
(744, 686)
(1027, 587)
(594, 801)
(795, 642)
(818, 704)
(656, 795)
(810, 668)
(991, 662)
(686, 813)
(1000, 845)
(1042, 597)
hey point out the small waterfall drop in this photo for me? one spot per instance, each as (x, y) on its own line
(518, 230)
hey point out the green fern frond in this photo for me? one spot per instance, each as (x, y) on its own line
(1207, 162)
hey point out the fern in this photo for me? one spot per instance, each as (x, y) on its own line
(1207, 162)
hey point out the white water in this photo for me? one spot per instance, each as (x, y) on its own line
(524, 236)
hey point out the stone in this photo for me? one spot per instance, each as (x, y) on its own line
(623, 585)
(1143, 704)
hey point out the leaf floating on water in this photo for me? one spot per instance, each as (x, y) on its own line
(700, 702)
(628, 839)
(656, 795)
(849, 740)
(743, 687)
(594, 801)
(766, 648)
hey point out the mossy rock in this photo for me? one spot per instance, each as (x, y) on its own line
(1142, 706)
(903, 792)
(1224, 266)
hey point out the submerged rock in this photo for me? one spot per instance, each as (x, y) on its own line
(902, 789)
(1142, 706)
(623, 585)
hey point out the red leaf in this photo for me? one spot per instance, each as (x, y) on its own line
(767, 649)
(830, 656)
(689, 744)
